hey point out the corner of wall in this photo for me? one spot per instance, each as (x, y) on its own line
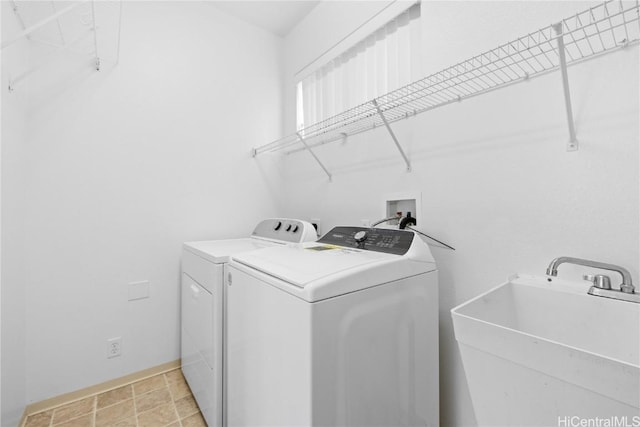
(12, 293)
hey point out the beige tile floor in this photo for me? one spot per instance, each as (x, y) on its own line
(158, 401)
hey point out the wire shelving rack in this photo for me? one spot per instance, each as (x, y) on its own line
(598, 30)
(82, 8)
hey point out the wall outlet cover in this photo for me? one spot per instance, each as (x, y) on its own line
(114, 347)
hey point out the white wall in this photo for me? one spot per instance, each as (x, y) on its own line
(117, 168)
(14, 113)
(127, 163)
(495, 178)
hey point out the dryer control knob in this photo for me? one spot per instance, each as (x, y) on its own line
(278, 225)
(289, 227)
(295, 229)
(360, 236)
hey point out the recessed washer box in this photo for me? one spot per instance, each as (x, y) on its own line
(406, 201)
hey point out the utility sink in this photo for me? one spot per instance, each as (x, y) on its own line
(538, 350)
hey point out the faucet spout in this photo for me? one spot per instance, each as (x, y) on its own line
(626, 285)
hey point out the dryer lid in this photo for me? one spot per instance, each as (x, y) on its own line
(220, 251)
(269, 232)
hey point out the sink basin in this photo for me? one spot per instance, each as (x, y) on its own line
(538, 350)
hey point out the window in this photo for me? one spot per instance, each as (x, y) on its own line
(384, 61)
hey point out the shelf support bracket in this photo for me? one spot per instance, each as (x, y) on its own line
(306, 146)
(119, 31)
(14, 6)
(572, 145)
(393, 135)
(53, 6)
(95, 34)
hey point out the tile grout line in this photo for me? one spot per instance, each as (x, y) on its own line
(54, 409)
(77, 399)
(135, 406)
(95, 402)
(95, 410)
(149, 392)
(173, 401)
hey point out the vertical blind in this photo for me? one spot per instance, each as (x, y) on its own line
(384, 61)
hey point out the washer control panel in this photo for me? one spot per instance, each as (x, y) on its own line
(287, 230)
(395, 242)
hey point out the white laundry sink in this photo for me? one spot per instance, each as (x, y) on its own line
(541, 351)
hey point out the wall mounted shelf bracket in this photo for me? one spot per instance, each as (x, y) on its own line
(53, 6)
(306, 146)
(16, 11)
(95, 34)
(572, 145)
(393, 135)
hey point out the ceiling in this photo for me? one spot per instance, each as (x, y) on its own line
(277, 17)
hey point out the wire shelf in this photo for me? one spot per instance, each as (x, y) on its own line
(75, 25)
(595, 31)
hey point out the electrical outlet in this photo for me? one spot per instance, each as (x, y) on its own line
(114, 347)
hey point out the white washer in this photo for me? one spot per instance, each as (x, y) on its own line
(334, 333)
(203, 270)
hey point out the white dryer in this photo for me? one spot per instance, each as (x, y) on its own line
(340, 332)
(203, 318)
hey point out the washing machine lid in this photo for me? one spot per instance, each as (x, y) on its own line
(345, 260)
(301, 265)
(220, 251)
(317, 274)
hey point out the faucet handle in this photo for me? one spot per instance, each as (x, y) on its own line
(600, 281)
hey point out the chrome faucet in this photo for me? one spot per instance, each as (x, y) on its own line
(601, 284)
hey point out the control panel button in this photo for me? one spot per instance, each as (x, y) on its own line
(295, 229)
(278, 225)
(289, 227)
(360, 236)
